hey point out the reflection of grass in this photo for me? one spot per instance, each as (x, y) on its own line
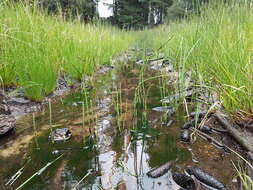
(117, 102)
(165, 149)
(79, 161)
(39, 172)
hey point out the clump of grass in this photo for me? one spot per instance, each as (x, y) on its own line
(217, 46)
(35, 48)
(242, 172)
(246, 180)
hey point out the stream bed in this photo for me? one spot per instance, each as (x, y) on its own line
(116, 139)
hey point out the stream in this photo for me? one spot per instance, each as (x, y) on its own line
(116, 139)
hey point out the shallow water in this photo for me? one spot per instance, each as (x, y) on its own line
(115, 148)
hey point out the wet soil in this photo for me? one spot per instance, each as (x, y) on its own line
(115, 135)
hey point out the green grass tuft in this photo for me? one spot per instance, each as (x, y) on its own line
(36, 48)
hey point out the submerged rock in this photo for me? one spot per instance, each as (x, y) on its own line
(184, 181)
(205, 178)
(185, 136)
(60, 134)
(159, 171)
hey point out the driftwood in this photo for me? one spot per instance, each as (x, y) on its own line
(241, 137)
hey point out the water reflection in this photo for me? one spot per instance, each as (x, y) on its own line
(117, 157)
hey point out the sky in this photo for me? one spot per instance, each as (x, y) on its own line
(103, 9)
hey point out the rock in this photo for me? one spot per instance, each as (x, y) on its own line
(7, 123)
(200, 114)
(55, 152)
(18, 100)
(188, 124)
(159, 171)
(206, 129)
(165, 62)
(104, 69)
(62, 83)
(205, 178)
(163, 109)
(4, 108)
(169, 123)
(176, 97)
(60, 134)
(139, 62)
(184, 181)
(156, 64)
(185, 136)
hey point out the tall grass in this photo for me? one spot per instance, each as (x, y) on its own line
(35, 48)
(217, 46)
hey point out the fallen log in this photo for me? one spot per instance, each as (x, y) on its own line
(241, 137)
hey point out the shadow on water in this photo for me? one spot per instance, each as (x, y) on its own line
(112, 156)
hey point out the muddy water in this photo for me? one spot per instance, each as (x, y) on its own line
(115, 140)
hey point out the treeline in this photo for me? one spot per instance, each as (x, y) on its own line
(141, 13)
(84, 9)
(126, 13)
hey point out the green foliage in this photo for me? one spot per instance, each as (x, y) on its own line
(217, 46)
(184, 8)
(138, 14)
(36, 48)
(84, 9)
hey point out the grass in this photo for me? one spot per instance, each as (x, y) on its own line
(217, 47)
(36, 48)
(243, 168)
